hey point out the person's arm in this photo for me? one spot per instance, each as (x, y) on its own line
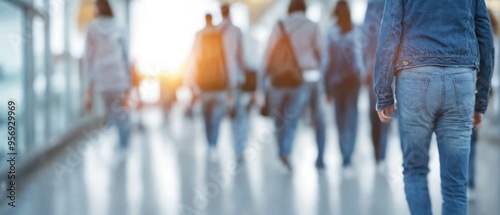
(330, 54)
(319, 52)
(88, 61)
(242, 67)
(388, 45)
(484, 36)
(126, 59)
(192, 64)
(128, 70)
(318, 45)
(241, 52)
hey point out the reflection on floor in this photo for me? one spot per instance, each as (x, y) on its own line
(168, 172)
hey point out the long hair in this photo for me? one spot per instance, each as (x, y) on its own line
(297, 5)
(343, 14)
(104, 9)
(494, 23)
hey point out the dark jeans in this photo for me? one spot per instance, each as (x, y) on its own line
(346, 115)
(380, 131)
(472, 160)
(214, 107)
(286, 106)
(318, 118)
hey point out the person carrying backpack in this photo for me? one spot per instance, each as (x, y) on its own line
(106, 69)
(218, 72)
(291, 52)
(342, 78)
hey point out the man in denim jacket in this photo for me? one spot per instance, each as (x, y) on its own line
(441, 53)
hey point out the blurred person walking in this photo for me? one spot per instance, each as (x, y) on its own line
(380, 131)
(471, 194)
(218, 58)
(239, 97)
(441, 53)
(195, 94)
(292, 52)
(107, 70)
(342, 79)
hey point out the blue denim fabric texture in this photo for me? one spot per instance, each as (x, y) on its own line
(440, 100)
(240, 126)
(317, 113)
(117, 115)
(346, 115)
(286, 108)
(371, 31)
(472, 160)
(214, 108)
(449, 33)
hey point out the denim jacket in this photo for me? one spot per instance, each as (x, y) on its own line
(371, 31)
(449, 33)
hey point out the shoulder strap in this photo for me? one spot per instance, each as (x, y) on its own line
(282, 27)
(288, 42)
(285, 34)
(316, 51)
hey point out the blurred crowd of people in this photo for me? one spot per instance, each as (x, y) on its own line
(304, 66)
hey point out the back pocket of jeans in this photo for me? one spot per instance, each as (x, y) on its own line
(465, 92)
(413, 93)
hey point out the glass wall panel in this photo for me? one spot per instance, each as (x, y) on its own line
(58, 120)
(11, 69)
(39, 80)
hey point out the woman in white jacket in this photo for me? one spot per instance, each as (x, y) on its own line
(106, 69)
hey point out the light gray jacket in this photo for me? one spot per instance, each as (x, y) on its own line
(105, 61)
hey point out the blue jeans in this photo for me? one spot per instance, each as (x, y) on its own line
(214, 108)
(117, 115)
(440, 100)
(240, 126)
(472, 160)
(318, 118)
(380, 131)
(286, 107)
(346, 116)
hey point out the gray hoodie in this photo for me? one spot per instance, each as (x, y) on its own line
(105, 61)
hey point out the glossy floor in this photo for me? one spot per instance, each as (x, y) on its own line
(168, 172)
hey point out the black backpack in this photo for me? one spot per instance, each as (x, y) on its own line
(211, 69)
(283, 67)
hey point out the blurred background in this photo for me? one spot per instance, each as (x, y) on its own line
(66, 162)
